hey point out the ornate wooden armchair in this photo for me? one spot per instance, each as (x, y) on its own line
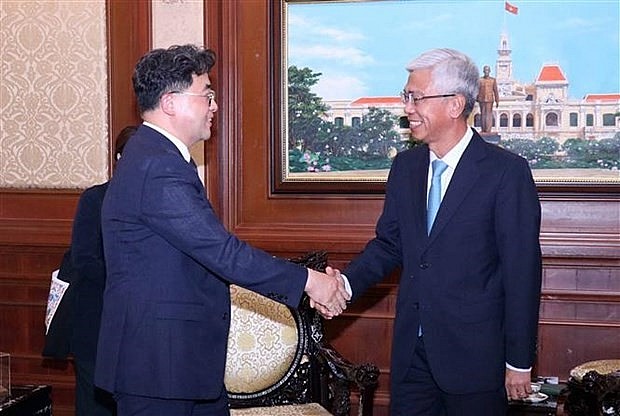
(593, 389)
(278, 363)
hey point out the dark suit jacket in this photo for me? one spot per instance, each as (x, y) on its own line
(89, 265)
(75, 326)
(169, 262)
(474, 283)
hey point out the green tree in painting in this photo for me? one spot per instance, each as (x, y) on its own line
(602, 153)
(540, 153)
(378, 139)
(547, 153)
(305, 109)
(315, 144)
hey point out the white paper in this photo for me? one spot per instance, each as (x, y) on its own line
(57, 290)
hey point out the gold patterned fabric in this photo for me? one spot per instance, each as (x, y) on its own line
(54, 89)
(603, 367)
(262, 342)
(310, 409)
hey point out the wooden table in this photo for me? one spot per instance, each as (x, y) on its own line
(28, 400)
(548, 407)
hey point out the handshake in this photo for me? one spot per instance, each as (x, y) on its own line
(327, 292)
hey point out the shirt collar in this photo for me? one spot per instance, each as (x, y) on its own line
(178, 143)
(454, 155)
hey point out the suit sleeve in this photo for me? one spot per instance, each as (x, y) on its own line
(176, 208)
(383, 253)
(518, 228)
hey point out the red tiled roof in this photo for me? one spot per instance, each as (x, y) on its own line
(602, 97)
(551, 73)
(377, 101)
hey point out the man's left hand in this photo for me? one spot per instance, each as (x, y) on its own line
(518, 384)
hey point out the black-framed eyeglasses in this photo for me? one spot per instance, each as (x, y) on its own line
(409, 98)
(209, 95)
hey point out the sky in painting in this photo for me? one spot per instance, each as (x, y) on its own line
(362, 47)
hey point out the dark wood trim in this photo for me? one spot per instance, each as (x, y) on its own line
(578, 191)
(580, 324)
(40, 218)
(35, 224)
(575, 296)
(129, 37)
(217, 20)
(279, 187)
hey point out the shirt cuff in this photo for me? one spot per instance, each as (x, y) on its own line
(521, 370)
(347, 285)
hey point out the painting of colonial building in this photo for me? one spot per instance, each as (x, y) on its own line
(542, 108)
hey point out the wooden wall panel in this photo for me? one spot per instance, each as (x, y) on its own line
(129, 37)
(35, 225)
(580, 231)
(564, 346)
(580, 308)
(24, 285)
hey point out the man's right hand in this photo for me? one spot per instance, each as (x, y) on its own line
(327, 292)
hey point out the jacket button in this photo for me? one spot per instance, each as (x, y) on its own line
(224, 316)
(424, 266)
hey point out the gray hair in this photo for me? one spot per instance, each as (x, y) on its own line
(451, 72)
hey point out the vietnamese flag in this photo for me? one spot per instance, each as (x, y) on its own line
(510, 8)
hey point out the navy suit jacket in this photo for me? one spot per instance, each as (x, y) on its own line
(170, 261)
(89, 264)
(474, 283)
(75, 327)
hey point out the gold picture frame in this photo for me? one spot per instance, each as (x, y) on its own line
(543, 111)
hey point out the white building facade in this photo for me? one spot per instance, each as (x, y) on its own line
(526, 111)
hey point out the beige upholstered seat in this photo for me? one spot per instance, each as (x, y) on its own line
(310, 409)
(263, 342)
(277, 363)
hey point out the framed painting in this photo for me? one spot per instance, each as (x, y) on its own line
(342, 67)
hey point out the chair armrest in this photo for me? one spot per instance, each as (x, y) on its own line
(337, 375)
(342, 376)
(594, 393)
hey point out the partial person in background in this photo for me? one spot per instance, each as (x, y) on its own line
(170, 260)
(89, 265)
(487, 96)
(461, 221)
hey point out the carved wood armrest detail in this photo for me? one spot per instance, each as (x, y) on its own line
(344, 375)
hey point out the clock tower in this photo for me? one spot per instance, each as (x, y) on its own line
(503, 67)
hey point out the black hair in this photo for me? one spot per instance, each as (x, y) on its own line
(121, 140)
(164, 70)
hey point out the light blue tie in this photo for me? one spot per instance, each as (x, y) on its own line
(434, 195)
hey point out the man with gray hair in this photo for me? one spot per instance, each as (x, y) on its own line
(461, 221)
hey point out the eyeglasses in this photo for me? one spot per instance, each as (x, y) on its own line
(408, 97)
(209, 95)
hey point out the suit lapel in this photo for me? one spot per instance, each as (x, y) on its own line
(464, 178)
(415, 183)
(419, 194)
